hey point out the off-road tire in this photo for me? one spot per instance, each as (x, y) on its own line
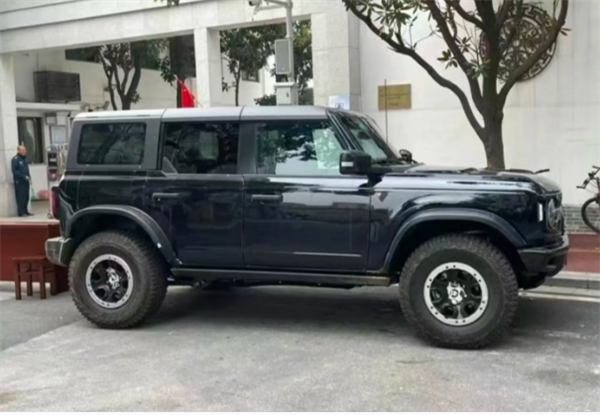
(495, 269)
(149, 277)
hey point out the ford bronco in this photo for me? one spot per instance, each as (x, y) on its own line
(307, 196)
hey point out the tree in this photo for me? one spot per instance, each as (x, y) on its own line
(122, 64)
(247, 50)
(478, 41)
(303, 64)
(180, 62)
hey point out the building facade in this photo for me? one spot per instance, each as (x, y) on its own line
(551, 121)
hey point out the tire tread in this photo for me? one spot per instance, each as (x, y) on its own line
(495, 258)
(152, 268)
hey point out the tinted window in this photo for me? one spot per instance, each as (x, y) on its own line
(305, 148)
(114, 143)
(201, 148)
(368, 137)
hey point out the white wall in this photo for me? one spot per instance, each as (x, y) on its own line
(551, 121)
(155, 93)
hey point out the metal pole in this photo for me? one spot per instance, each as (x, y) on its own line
(289, 23)
(386, 111)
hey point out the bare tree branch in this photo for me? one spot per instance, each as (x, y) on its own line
(534, 57)
(399, 47)
(455, 4)
(505, 9)
(460, 57)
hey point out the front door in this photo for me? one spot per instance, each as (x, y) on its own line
(299, 212)
(201, 191)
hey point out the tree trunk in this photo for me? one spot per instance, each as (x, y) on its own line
(179, 103)
(493, 143)
(237, 78)
(125, 103)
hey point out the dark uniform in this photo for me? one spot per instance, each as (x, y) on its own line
(20, 171)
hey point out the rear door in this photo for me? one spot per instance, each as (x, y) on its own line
(300, 212)
(198, 192)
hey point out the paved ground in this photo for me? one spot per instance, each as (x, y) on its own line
(292, 349)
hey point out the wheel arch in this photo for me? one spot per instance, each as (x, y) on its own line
(88, 221)
(426, 225)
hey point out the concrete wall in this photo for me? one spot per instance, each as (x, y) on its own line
(551, 121)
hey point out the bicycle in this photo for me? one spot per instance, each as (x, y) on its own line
(592, 176)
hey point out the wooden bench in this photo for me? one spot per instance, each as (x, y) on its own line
(38, 269)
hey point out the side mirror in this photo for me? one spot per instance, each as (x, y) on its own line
(355, 162)
(406, 155)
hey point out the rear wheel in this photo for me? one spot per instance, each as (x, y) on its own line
(458, 291)
(116, 279)
(590, 212)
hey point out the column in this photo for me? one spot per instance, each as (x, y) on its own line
(9, 138)
(336, 55)
(207, 49)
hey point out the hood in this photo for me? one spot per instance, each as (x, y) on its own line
(545, 184)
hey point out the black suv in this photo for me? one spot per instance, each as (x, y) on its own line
(300, 196)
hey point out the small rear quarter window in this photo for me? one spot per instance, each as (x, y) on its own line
(112, 144)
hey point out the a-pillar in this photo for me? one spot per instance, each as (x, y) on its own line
(207, 48)
(9, 138)
(336, 57)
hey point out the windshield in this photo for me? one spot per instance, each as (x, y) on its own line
(366, 133)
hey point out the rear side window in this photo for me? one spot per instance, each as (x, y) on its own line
(112, 144)
(201, 147)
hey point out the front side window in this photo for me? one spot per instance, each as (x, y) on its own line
(112, 144)
(298, 148)
(200, 148)
(368, 137)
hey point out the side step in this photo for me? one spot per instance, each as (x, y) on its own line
(278, 277)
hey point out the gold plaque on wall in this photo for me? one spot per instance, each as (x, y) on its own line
(397, 96)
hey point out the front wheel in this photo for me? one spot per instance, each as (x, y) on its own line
(458, 291)
(590, 213)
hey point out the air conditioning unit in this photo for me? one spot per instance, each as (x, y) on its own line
(54, 86)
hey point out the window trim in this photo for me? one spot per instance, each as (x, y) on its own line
(253, 141)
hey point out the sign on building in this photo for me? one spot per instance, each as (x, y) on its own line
(394, 97)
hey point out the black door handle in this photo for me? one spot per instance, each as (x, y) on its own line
(158, 196)
(267, 198)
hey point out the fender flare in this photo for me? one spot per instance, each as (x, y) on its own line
(441, 214)
(141, 218)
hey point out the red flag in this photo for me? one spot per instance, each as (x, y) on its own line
(187, 98)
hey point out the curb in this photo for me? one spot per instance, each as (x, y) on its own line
(569, 279)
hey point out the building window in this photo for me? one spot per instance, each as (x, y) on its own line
(30, 135)
(201, 148)
(79, 55)
(82, 56)
(250, 76)
(298, 148)
(112, 144)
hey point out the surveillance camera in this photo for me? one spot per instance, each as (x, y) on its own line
(254, 3)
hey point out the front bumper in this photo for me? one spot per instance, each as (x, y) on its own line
(59, 250)
(546, 261)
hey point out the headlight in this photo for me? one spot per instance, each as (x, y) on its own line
(553, 215)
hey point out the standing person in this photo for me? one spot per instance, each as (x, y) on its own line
(20, 171)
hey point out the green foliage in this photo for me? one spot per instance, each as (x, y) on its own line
(303, 64)
(122, 64)
(248, 50)
(476, 42)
